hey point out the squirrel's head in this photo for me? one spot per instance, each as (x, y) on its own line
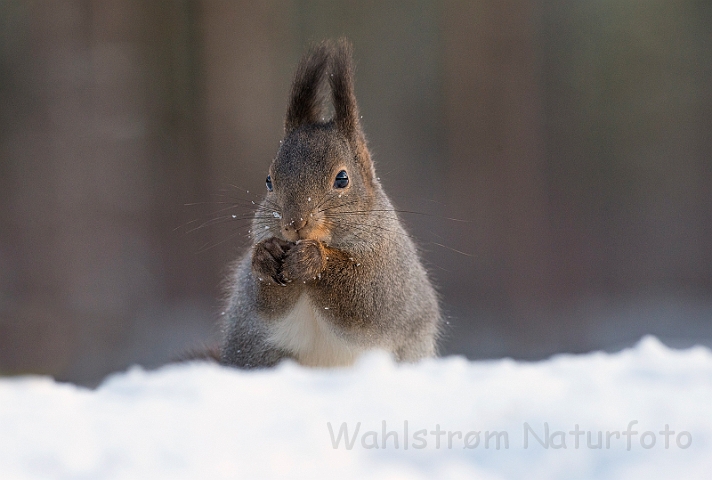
(322, 179)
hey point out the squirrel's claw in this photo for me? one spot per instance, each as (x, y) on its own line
(267, 258)
(305, 261)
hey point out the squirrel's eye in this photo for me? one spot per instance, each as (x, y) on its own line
(342, 179)
(269, 183)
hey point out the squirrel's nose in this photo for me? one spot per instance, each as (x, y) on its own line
(296, 224)
(291, 228)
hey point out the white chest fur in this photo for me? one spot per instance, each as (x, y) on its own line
(311, 338)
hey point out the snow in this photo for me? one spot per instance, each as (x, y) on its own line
(200, 420)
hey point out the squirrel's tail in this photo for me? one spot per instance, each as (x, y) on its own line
(207, 353)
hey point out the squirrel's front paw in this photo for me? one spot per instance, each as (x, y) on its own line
(304, 262)
(267, 259)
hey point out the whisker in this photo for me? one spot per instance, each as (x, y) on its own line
(359, 228)
(453, 249)
(407, 211)
(342, 204)
(321, 202)
(212, 221)
(367, 227)
(244, 190)
(193, 204)
(208, 246)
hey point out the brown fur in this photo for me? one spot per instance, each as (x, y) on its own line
(332, 271)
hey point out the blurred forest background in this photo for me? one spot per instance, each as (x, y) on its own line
(573, 136)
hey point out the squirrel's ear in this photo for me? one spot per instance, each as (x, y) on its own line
(346, 115)
(306, 100)
(342, 90)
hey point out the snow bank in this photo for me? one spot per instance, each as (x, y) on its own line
(204, 421)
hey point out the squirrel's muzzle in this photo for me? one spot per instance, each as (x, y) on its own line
(304, 226)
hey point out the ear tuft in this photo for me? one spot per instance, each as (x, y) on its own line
(342, 90)
(306, 98)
